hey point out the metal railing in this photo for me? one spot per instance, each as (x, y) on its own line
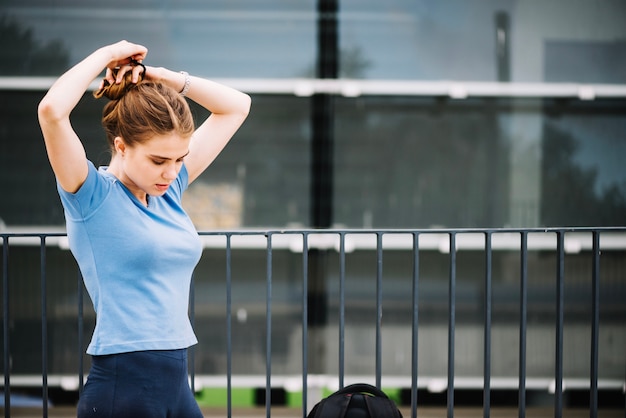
(559, 242)
(305, 87)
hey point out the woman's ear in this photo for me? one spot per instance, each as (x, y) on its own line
(119, 145)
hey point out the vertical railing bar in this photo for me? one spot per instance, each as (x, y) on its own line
(5, 326)
(558, 369)
(342, 308)
(268, 332)
(81, 333)
(523, 323)
(595, 325)
(451, 323)
(379, 307)
(191, 366)
(487, 333)
(229, 329)
(305, 325)
(414, 325)
(44, 325)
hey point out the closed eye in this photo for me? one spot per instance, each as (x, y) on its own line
(160, 160)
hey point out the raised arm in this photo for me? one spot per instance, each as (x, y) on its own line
(228, 107)
(65, 150)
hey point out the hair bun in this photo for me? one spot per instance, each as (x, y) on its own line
(117, 91)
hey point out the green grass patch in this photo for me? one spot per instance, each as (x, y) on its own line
(241, 397)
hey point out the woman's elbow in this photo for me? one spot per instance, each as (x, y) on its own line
(47, 111)
(246, 103)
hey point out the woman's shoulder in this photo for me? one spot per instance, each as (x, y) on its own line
(91, 193)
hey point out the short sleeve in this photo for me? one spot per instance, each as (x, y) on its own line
(88, 198)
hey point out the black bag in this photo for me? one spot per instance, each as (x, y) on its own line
(356, 401)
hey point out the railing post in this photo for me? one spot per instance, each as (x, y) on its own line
(451, 322)
(268, 329)
(523, 323)
(305, 325)
(5, 326)
(414, 325)
(191, 364)
(379, 306)
(595, 325)
(229, 329)
(558, 369)
(487, 332)
(44, 325)
(342, 308)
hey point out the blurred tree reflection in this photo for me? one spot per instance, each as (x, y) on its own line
(569, 195)
(23, 55)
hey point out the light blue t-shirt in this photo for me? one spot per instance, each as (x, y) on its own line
(136, 263)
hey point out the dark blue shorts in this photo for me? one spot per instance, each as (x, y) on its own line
(143, 384)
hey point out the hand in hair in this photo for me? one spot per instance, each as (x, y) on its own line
(116, 90)
(126, 58)
(122, 62)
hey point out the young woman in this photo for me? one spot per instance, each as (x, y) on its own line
(135, 245)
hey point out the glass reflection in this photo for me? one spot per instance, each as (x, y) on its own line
(214, 39)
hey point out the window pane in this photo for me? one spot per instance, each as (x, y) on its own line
(420, 163)
(216, 38)
(583, 171)
(30, 196)
(484, 40)
(415, 162)
(260, 179)
(481, 40)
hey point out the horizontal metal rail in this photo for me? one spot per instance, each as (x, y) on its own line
(557, 241)
(537, 239)
(305, 87)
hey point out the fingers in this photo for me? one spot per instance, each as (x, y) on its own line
(138, 64)
(138, 70)
(127, 57)
(109, 77)
(128, 51)
(124, 53)
(117, 74)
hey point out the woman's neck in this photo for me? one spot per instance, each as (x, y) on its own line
(116, 169)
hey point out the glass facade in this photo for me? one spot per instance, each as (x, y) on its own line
(412, 161)
(398, 39)
(464, 40)
(479, 163)
(211, 39)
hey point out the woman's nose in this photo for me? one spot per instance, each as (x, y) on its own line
(169, 172)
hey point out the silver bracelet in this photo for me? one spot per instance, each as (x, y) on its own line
(185, 89)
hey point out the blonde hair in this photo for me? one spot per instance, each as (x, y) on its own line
(139, 111)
